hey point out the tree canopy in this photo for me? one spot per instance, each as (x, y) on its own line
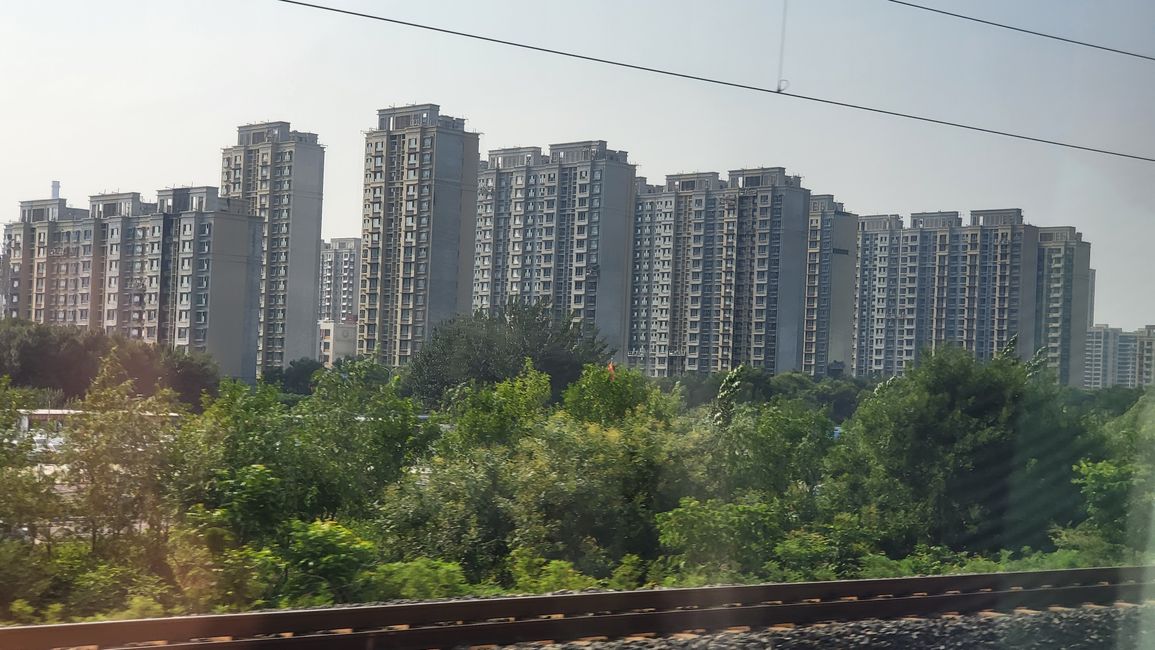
(488, 349)
(356, 491)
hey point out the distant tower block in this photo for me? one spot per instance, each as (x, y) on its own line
(55, 189)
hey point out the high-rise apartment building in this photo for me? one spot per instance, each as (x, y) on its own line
(977, 286)
(719, 271)
(555, 228)
(1118, 358)
(280, 173)
(1101, 362)
(831, 242)
(1064, 294)
(419, 220)
(50, 255)
(181, 272)
(340, 277)
(940, 282)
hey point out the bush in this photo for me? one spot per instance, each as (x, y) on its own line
(628, 574)
(422, 578)
(532, 574)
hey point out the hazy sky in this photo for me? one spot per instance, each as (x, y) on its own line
(136, 96)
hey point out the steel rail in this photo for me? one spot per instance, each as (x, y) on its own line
(570, 616)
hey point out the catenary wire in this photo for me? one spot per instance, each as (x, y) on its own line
(1023, 30)
(721, 82)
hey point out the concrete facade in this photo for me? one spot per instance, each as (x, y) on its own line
(419, 221)
(180, 273)
(340, 278)
(1119, 358)
(1065, 295)
(828, 328)
(555, 228)
(337, 341)
(280, 172)
(719, 271)
(939, 282)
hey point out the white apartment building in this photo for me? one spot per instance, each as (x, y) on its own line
(1115, 357)
(340, 277)
(338, 340)
(555, 228)
(977, 286)
(719, 272)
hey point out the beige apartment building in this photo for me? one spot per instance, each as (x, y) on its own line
(719, 272)
(340, 278)
(338, 341)
(181, 272)
(419, 221)
(280, 173)
(555, 228)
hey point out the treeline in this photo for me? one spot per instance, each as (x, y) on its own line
(62, 362)
(516, 482)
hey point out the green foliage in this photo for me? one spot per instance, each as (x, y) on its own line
(500, 415)
(422, 578)
(532, 574)
(324, 557)
(484, 349)
(605, 397)
(116, 455)
(348, 493)
(930, 456)
(295, 379)
(721, 537)
(629, 574)
(66, 360)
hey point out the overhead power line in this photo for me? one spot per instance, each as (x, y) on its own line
(720, 82)
(1024, 31)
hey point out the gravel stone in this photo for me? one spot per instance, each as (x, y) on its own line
(1110, 628)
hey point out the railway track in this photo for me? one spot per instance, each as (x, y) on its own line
(611, 614)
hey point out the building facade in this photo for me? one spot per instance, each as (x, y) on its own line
(54, 258)
(555, 228)
(280, 173)
(180, 273)
(939, 282)
(419, 220)
(978, 286)
(831, 242)
(338, 340)
(719, 271)
(1065, 293)
(1115, 357)
(340, 277)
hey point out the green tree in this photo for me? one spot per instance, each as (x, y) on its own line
(501, 414)
(929, 456)
(718, 537)
(360, 435)
(326, 559)
(27, 497)
(605, 397)
(117, 455)
(488, 349)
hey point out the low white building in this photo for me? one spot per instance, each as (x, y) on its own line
(338, 341)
